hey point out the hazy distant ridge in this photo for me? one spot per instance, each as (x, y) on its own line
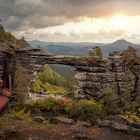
(81, 49)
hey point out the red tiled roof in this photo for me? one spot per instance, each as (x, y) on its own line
(3, 101)
(6, 92)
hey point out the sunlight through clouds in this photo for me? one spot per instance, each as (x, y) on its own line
(126, 24)
(70, 20)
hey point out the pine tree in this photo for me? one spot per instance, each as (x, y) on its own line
(109, 99)
(130, 54)
(127, 96)
(96, 52)
(23, 43)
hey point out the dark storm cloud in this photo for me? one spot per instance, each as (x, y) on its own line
(24, 14)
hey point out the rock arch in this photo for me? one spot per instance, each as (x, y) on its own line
(92, 75)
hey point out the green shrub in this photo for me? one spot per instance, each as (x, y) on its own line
(49, 82)
(131, 116)
(52, 105)
(85, 110)
(110, 101)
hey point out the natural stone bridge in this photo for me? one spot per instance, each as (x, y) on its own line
(92, 74)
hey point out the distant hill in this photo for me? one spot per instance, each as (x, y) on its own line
(121, 44)
(81, 49)
(118, 45)
(34, 43)
(67, 48)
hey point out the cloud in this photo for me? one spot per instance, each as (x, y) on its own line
(72, 36)
(25, 14)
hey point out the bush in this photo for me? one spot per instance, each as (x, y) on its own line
(52, 105)
(49, 82)
(130, 116)
(110, 101)
(53, 89)
(21, 114)
(85, 110)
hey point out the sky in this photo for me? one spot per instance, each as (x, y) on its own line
(72, 20)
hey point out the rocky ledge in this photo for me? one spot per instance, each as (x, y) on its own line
(113, 73)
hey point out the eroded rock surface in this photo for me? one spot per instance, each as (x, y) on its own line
(114, 74)
(92, 75)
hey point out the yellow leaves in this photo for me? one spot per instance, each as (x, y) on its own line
(52, 105)
(37, 86)
(21, 114)
(91, 102)
(85, 110)
(48, 82)
(53, 89)
(130, 116)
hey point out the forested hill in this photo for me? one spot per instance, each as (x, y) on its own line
(7, 40)
(49, 82)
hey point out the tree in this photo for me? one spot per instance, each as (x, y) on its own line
(126, 96)
(130, 53)
(96, 52)
(20, 83)
(37, 86)
(109, 99)
(23, 43)
(130, 59)
(1, 26)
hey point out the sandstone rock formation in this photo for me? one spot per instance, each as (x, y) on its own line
(114, 74)
(93, 75)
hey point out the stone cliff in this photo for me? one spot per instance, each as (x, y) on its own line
(114, 73)
(93, 75)
(119, 72)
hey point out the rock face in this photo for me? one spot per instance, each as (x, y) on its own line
(62, 120)
(113, 74)
(93, 76)
(39, 119)
(120, 124)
